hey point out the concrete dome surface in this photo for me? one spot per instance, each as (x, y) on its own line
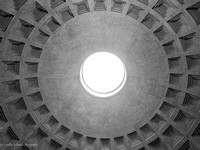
(43, 102)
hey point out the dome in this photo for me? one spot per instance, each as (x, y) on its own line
(54, 53)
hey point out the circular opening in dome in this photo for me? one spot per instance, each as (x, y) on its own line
(103, 74)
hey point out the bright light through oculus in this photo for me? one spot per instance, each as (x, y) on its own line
(103, 74)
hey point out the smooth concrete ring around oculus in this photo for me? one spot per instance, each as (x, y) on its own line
(146, 79)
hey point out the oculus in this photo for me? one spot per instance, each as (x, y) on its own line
(103, 74)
